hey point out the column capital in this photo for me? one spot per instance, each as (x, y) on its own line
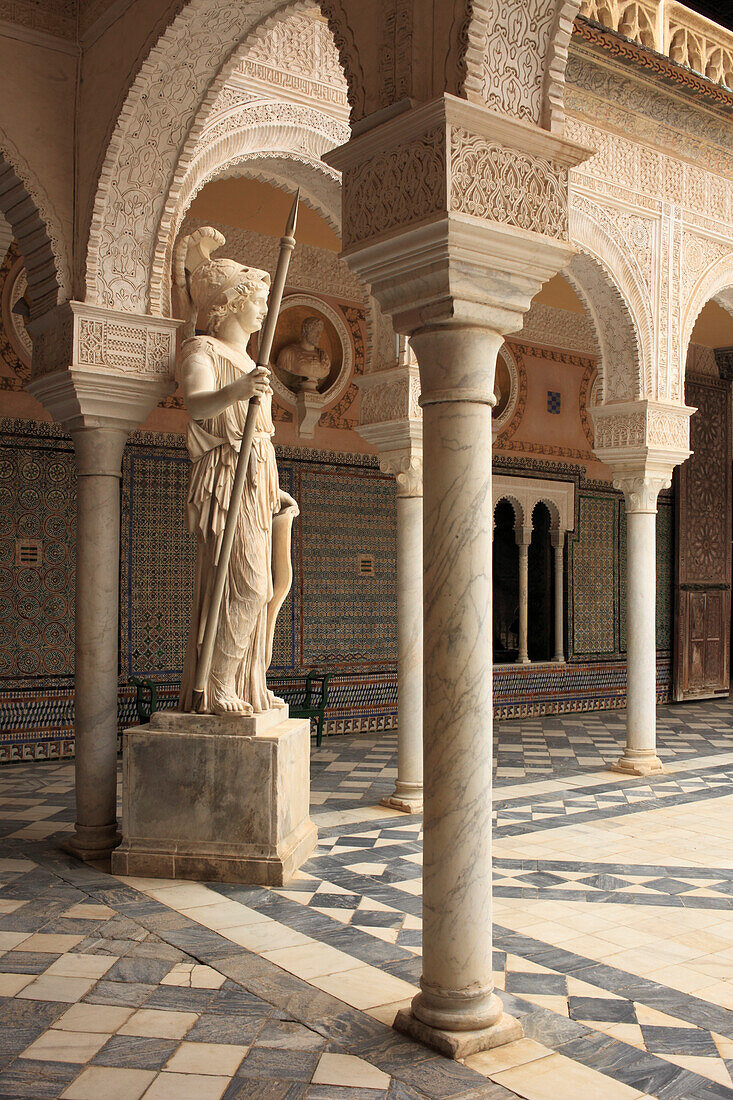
(557, 538)
(642, 487)
(523, 535)
(474, 240)
(82, 398)
(642, 442)
(390, 418)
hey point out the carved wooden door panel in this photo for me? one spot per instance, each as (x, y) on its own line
(703, 560)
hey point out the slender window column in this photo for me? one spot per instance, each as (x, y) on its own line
(640, 755)
(523, 536)
(408, 792)
(99, 460)
(457, 988)
(557, 537)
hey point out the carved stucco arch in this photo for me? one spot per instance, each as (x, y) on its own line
(552, 508)
(157, 133)
(516, 506)
(37, 230)
(612, 291)
(715, 282)
(279, 142)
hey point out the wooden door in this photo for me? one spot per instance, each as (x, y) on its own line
(703, 557)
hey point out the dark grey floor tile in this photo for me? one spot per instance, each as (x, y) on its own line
(683, 1041)
(14, 1040)
(240, 1088)
(537, 983)
(214, 1028)
(238, 1002)
(343, 1092)
(129, 994)
(148, 971)
(135, 1052)
(289, 1036)
(398, 1090)
(180, 998)
(26, 962)
(36, 1079)
(40, 1014)
(288, 1065)
(602, 1009)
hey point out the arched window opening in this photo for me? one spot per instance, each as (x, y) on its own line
(540, 587)
(506, 585)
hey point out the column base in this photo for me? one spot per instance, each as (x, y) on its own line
(459, 1044)
(404, 805)
(638, 765)
(406, 797)
(91, 843)
(523, 661)
(558, 660)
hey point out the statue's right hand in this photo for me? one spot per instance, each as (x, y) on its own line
(251, 385)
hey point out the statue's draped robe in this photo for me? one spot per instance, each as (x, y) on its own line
(213, 446)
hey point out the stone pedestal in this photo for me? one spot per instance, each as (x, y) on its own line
(217, 798)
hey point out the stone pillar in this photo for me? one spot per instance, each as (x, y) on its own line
(455, 278)
(642, 442)
(640, 495)
(457, 990)
(408, 792)
(96, 630)
(557, 538)
(391, 419)
(523, 535)
(99, 407)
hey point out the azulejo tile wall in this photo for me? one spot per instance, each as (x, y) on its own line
(335, 618)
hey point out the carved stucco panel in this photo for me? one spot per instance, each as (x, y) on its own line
(395, 188)
(490, 181)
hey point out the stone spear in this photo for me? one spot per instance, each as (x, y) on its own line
(203, 667)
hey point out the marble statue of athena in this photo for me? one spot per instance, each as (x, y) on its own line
(217, 379)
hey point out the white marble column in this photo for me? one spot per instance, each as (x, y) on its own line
(640, 494)
(523, 535)
(99, 408)
(557, 538)
(457, 989)
(408, 792)
(96, 626)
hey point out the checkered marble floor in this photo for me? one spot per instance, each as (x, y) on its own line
(613, 938)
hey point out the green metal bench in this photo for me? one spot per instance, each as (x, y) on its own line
(146, 697)
(307, 699)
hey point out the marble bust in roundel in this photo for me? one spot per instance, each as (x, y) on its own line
(306, 360)
(217, 379)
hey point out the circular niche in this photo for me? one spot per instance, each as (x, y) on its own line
(506, 389)
(333, 339)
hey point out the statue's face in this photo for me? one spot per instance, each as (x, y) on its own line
(253, 310)
(313, 330)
